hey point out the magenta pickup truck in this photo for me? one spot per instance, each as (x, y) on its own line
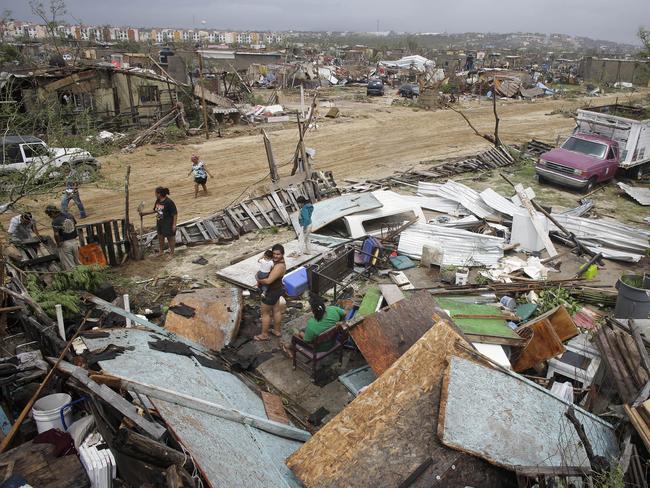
(581, 162)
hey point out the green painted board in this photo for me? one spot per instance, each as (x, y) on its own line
(485, 327)
(369, 303)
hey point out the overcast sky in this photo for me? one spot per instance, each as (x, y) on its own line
(616, 20)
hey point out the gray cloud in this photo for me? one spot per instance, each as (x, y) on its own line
(602, 19)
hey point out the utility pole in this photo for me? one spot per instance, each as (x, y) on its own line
(205, 110)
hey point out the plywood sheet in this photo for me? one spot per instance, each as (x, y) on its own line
(384, 336)
(389, 430)
(243, 273)
(216, 320)
(391, 293)
(332, 209)
(514, 422)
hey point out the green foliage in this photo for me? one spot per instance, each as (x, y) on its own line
(64, 288)
(174, 134)
(614, 478)
(9, 53)
(551, 298)
(81, 278)
(644, 36)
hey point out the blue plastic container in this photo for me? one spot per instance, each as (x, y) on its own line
(296, 282)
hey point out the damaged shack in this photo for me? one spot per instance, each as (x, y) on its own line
(101, 94)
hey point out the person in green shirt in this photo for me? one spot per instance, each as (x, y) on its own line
(325, 317)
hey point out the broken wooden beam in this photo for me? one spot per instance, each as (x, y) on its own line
(215, 409)
(118, 402)
(145, 449)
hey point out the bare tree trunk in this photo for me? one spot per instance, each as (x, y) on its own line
(497, 140)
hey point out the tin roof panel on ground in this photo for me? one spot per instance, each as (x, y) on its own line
(513, 421)
(613, 239)
(228, 453)
(332, 209)
(641, 195)
(460, 247)
(243, 273)
(216, 320)
(466, 196)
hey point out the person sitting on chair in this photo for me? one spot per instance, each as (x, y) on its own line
(325, 317)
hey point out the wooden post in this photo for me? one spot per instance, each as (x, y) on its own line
(134, 115)
(205, 110)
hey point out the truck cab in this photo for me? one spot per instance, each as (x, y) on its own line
(581, 162)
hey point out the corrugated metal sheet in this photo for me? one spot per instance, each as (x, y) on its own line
(613, 239)
(641, 195)
(461, 247)
(586, 204)
(228, 453)
(499, 203)
(512, 421)
(452, 190)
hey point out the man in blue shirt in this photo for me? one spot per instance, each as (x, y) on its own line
(304, 220)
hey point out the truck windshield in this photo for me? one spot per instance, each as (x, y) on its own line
(589, 148)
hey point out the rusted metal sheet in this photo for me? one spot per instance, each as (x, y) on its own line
(510, 421)
(389, 431)
(384, 336)
(216, 323)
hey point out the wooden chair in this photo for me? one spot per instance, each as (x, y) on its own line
(308, 349)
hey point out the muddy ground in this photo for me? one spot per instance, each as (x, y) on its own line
(372, 138)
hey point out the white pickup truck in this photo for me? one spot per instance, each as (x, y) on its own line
(20, 153)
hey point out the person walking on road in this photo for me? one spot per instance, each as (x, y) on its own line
(201, 173)
(166, 215)
(71, 192)
(65, 236)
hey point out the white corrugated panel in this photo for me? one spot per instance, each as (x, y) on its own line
(460, 247)
(499, 203)
(613, 239)
(452, 190)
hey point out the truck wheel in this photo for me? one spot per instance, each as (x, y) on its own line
(541, 180)
(638, 172)
(591, 184)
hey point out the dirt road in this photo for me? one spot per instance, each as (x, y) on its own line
(369, 140)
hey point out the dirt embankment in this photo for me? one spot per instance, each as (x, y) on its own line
(369, 140)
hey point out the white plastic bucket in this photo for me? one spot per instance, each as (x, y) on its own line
(47, 412)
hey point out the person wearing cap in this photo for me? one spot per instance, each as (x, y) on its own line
(22, 228)
(201, 174)
(65, 236)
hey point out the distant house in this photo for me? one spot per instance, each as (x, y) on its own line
(109, 96)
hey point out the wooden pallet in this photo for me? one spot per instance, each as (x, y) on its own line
(111, 237)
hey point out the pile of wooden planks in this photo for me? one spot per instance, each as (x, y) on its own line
(270, 210)
(491, 159)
